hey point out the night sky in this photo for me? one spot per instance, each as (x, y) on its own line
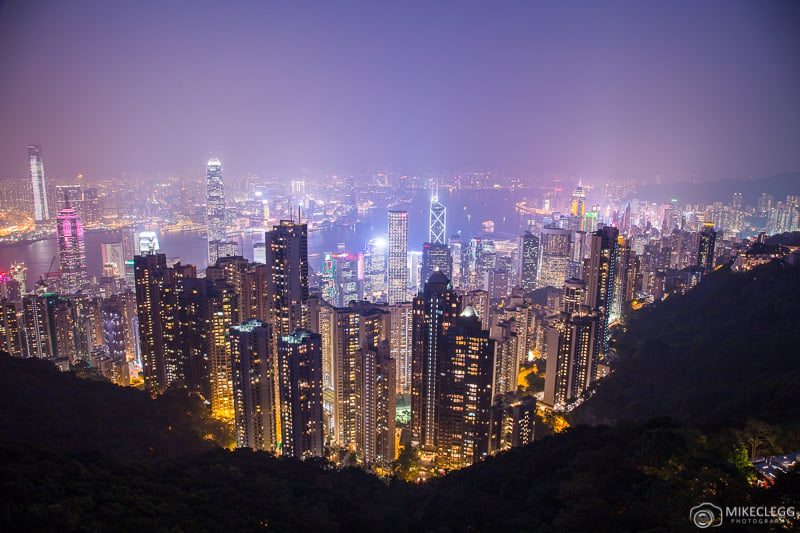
(601, 89)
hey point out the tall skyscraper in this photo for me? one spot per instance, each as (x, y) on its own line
(571, 346)
(435, 311)
(437, 221)
(287, 276)
(112, 256)
(41, 210)
(554, 255)
(705, 247)
(215, 209)
(528, 261)
(398, 256)
(435, 257)
(71, 251)
(252, 385)
(600, 281)
(300, 393)
(150, 273)
(466, 393)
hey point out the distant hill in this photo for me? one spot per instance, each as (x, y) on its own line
(724, 352)
(721, 190)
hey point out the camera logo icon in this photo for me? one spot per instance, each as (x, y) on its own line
(706, 515)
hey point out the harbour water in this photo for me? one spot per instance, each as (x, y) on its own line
(466, 211)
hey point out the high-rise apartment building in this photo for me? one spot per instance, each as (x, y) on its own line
(707, 239)
(600, 281)
(398, 257)
(435, 311)
(253, 385)
(287, 276)
(435, 257)
(300, 393)
(41, 210)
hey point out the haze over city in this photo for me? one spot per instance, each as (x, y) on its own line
(454, 266)
(622, 90)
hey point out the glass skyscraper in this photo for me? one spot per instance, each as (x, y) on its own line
(36, 164)
(398, 256)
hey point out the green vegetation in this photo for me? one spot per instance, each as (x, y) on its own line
(720, 362)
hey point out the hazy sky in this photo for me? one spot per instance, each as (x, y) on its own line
(610, 89)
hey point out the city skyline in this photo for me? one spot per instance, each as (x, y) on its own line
(622, 90)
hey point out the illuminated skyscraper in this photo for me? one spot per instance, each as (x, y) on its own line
(466, 393)
(9, 328)
(435, 311)
(435, 257)
(705, 247)
(300, 393)
(287, 276)
(578, 207)
(554, 254)
(215, 209)
(71, 250)
(528, 261)
(150, 272)
(253, 385)
(398, 256)
(113, 257)
(437, 221)
(36, 165)
(600, 281)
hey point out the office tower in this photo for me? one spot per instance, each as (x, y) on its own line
(578, 207)
(435, 257)
(287, 276)
(377, 384)
(457, 256)
(69, 196)
(401, 343)
(215, 209)
(554, 254)
(348, 279)
(260, 253)
(113, 256)
(435, 311)
(436, 221)
(9, 328)
(147, 243)
(114, 328)
(19, 272)
(375, 270)
(61, 323)
(465, 397)
(414, 266)
(41, 210)
(252, 380)
(600, 280)
(496, 283)
(36, 332)
(529, 261)
(398, 256)
(300, 393)
(358, 328)
(71, 251)
(705, 247)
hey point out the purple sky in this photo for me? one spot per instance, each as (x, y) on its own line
(608, 89)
